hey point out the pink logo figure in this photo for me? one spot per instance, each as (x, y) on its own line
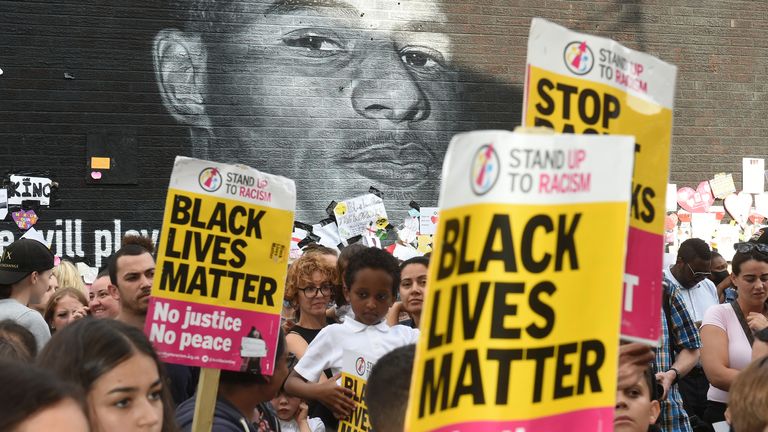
(578, 57)
(210, 179)
(485, 170)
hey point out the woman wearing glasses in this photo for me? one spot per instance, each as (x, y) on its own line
(727, 329)
(309, 289)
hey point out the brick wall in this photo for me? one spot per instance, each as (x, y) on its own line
(80, 72)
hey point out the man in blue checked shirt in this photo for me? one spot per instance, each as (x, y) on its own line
(676, 356)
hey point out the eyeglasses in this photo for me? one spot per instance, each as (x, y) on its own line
(312, 292)
(698, 275)
(746, 247)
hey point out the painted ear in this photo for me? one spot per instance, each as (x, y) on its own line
(179, 60)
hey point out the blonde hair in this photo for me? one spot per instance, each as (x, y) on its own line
(748, 398)
(301, 271)
(68, 276)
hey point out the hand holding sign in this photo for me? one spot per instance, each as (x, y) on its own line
(336, 397)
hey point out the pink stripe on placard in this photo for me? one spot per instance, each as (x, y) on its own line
(195, 334)
(641, 314)
(589, 420)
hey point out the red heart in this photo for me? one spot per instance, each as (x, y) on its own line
(738, 206)
(696, 201)
(756, 218)
(434, 219)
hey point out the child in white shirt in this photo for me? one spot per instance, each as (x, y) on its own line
(292, 413)
(371, 281)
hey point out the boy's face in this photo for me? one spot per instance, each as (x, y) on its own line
(370, 295)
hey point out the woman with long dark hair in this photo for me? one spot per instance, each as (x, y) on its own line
(117, 369)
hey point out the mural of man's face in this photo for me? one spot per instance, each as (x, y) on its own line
(337, 95)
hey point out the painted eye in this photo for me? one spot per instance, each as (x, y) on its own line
(315, 43)
(419, 57)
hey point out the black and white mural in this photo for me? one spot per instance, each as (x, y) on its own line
(99, 96)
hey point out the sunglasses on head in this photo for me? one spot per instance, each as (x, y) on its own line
(746, 247)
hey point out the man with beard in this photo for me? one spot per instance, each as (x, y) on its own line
(25, 267)
(339, 95)
(132, 272)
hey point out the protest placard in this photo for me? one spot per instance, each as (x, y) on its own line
(27, 188)
(579, 83)
(221, 266)
(356, 367)
(360, 215)
(520, 328)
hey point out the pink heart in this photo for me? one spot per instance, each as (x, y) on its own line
(696, 201)
(738, 206)
(96, 175)
(24, 218)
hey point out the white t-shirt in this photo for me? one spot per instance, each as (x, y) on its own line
(327, 349)
(315, 425)
(739, 349)
(697, 299)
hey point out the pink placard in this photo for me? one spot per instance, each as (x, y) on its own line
(591, 420)
(196, 334)
(641, 305)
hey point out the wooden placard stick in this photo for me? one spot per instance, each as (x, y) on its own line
(205, 404)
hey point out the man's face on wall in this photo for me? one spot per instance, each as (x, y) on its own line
(337, 95)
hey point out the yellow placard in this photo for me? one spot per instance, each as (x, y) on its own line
(514, 328)
(573, 105)
(208, 244)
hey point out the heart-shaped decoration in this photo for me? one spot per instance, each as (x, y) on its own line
(670, 222)
(739, 206)
(434, 219)
(696, 201)
(24, 218)
(96, 175)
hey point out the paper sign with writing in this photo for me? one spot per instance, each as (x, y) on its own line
(520, 327)
(754, 175)
(359, 215)
(26, 188)
(428, 220)
(221, 266)
(356, 367)
(722, 185)
(579, 83)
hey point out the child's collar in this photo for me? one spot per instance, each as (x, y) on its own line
(357, 326)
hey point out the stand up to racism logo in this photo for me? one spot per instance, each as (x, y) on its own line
(578, 58)
(485, 170)
(210, 179)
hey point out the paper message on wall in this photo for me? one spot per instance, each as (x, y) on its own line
(356, 367)
(753, 175)
(521, 322)
(358, 215)
(26, 188)
(221, 266)
(578, 83)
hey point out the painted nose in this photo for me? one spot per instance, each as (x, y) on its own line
(385, 89)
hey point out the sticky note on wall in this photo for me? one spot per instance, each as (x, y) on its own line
(100, 163)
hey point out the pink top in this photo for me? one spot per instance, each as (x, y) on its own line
(739, 349)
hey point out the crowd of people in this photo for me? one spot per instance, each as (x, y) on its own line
(73, 355)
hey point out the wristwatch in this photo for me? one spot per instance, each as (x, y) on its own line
(677, 375)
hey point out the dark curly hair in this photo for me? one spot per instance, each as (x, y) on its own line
(373, 258)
